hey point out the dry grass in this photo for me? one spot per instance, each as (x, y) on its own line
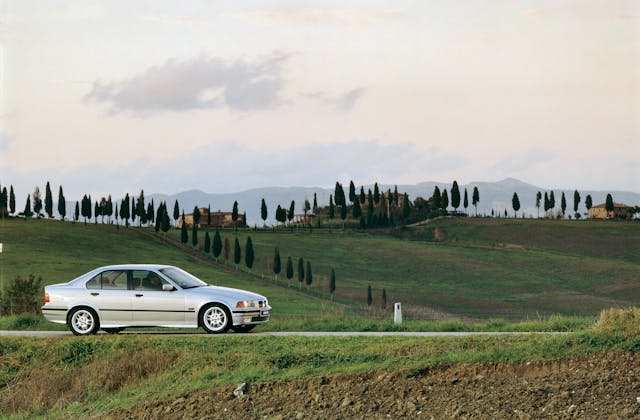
(70, 380)
(619, 321)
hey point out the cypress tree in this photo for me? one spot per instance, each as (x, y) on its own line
(194, 234)
(97, 211)
(352, 192)
(538, 199)
(588, 202)
(207, 242)
(134, 210)
(465, 202)
(343, 212)
(376, 193)
(117, 215)
(332, 283)
(276, 263)
(445, 200)
(12, 200)
(436, 198)
(396, 197)
(37, 202)
(292, 209)
(151, 217)
(363, 198)
(76, 214)
(289, 271)
(552, 201)
(196, 215)
(369, 208)
(475, 199)
(237, 253)
(576, 202)
(184, 235)
(86, 207)
(515, 202)
(331, 209)
(209, 216)
(48, 201)
(563, 203)
(357, 210)
(158, 217)
(300, 272)
(406, 209)
(176, 212)
(124, 210)
(369, 296)
(455, 196)
(234, 213)
(27, 207)
(608, 204)
(315, 204)
(546, 202)
(4, 202)
(338, 196)
(141, 209)
(308, 276)
(263, 212)
(110, 208)
(166, 221)
(307, 207)
(217, 244)
(248, 253)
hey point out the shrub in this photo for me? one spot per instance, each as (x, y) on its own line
(22, 296)
(619, 321)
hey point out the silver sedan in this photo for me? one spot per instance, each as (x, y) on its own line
(149, 295)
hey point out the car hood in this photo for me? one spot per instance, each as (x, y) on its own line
(229, 292)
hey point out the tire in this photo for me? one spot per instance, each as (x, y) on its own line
(112, 330)
(215, 319)
(242, 329)
(83, 321)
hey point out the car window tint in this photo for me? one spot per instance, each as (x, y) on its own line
(114, 280)
(94, 283)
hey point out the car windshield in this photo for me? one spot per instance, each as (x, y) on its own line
(182, 278)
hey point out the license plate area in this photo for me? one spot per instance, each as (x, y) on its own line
(264, 313)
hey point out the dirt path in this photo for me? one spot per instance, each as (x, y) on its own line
(600, 386)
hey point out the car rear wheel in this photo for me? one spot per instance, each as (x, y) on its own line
(112, 330)
(83, 321)
(215, 319)
(242, 328)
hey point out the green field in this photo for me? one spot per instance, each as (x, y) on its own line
(478, 269)
(464, 268)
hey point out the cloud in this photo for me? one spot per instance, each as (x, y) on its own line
(344, 102)
(311, 17)
(199, 83)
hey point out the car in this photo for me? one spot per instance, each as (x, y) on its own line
(116, 297)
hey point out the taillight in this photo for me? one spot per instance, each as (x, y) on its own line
(46, 297)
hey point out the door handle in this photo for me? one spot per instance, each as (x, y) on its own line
(95, 294)
(139, 295)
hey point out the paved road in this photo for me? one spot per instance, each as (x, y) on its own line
(277, 333)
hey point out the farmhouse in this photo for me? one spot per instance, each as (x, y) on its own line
(620, 211)
(218, 219)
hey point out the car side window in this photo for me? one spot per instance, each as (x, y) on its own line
(147, 280)
(109, 280)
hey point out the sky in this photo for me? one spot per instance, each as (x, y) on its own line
(109, 97)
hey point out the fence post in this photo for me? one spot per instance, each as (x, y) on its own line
(397, 313)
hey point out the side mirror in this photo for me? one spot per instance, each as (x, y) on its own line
(168, 288)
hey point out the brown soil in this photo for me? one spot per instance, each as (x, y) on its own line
(600, 386)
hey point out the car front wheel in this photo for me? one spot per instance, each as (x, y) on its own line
(83, 321)
(215, 319)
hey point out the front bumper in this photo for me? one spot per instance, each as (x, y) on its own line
(249, 317)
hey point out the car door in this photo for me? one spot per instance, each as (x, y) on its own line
(108, 291)
(154, 306)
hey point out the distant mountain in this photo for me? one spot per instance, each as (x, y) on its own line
(493, 195)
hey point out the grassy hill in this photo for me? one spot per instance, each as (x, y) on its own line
(60, 252)
(463, 268)
(473, 268)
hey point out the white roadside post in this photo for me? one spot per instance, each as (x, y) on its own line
(397, 313)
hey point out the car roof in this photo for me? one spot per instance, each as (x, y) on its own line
(132, 267)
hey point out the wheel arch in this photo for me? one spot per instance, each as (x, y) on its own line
(82, 305)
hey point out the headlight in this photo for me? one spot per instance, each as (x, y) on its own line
(247, 304)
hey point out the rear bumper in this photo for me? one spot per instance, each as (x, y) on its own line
(55, 314)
